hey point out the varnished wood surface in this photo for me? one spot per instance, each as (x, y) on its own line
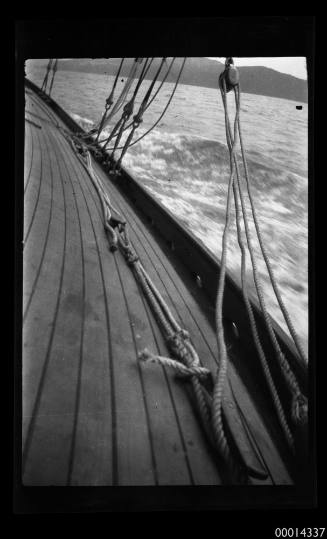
(92, 415)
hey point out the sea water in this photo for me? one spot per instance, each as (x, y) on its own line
(185, 164)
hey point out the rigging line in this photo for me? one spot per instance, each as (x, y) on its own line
(141, 78)
(266, 259)
(109, 100)
(123, 95)
(45, 80)
(152, 98)
(148, 93)
(274, 393)
(127, 112)
(54, 69)
(289, 376)
(138, 117)
(217, 420)
(161, 115)
(299, 403)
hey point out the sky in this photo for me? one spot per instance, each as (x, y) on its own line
(295, 66)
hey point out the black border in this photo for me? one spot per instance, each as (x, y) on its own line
(165, 36)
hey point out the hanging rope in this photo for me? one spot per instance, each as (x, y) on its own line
(127, 112)
(123, 95)
(273, 390)
(45, 80)
(154, 95)
(54, 69)
(299, 402)
(138, 118)
(161, 115)
(109, 101)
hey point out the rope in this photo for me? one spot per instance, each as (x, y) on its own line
(154, 95)
(161, 115)
(273, 390)
(123, 95)
(299, 402)
(266, 259)
(181, 370)
(217, 421)
(138, 118)
(127, 112)
(54, 69)
(109, 100)
(45, 80)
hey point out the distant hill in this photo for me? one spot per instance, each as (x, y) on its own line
(205, 72)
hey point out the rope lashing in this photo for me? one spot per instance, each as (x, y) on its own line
(111, 215)
(181, 370)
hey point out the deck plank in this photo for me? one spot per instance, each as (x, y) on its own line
(130, 420)
(168, 446)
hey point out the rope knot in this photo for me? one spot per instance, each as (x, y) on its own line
(145, 355)
(131, 257)
(128, 109)
(176, 342)
(109, 101)
(180, 369)
(136, 121)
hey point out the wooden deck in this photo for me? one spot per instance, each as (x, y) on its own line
(92, 415)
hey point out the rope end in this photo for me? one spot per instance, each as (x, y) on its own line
(145, 355)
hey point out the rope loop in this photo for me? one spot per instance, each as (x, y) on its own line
(181, 370)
